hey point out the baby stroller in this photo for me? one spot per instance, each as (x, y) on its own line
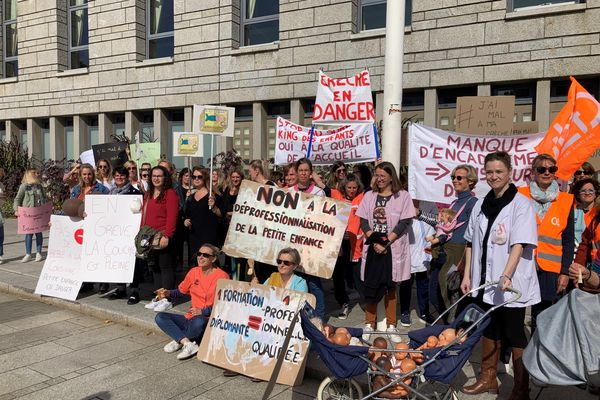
(565, 348)
(441, 364)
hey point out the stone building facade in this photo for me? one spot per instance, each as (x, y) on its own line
(452, 48)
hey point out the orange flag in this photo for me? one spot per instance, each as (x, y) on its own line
(574, 134)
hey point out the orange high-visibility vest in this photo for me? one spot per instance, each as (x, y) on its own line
(353, 227)
(549, 249)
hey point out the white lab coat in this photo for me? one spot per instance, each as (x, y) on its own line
(519, 223)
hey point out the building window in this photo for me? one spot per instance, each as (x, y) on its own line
(514, 5)
(79, 56)
(159, 28)
(260, 22)
(372, 14)
(10, 56)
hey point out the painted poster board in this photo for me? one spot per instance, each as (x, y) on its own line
(267, 219)
(60, 276)
(34, 219)
(108, 244)
(344, 100)
(148, 153)
(247, 327)
(187, 144)
(485, 115)
(213, 120)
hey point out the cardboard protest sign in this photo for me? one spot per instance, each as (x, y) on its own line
(34, 219)
(434, 153)
(115, 153)
(344, 99)
(247, 327)
(87, 157)
(267, 219)
(213, 120)
(60, 276)
(108, 245)
(485, 115)
(186, 144)
(526, 128)
(350, 143)
(148, 153)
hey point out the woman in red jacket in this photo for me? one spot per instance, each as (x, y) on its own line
(161, 205)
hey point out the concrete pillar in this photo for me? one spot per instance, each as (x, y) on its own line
(378, 109)
(259, 131)
(12, 131)
(81, 137)
(161, 131)
(542, 104)
(132, 124)
(431, 108)
(58, 144)
(484, 90)
(297, 112)
(35, 144)
(105, 128)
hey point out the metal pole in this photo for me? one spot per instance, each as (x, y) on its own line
(392, 87)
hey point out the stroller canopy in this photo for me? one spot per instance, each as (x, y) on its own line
(565, 348)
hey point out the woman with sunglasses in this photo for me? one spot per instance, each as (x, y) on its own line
(450, 252)
(288, 260)
(200, 284)
(202, 213)
(87, 183)
(585, 191)
(184, 190)
(556, 231)
(230, 194)
(586, 171)
(134, 177)
(104, 173)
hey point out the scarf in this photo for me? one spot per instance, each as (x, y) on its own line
(543, 200)
(120, 190)
(492, 206)
(275, 280)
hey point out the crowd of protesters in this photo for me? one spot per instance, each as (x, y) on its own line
(525, 238)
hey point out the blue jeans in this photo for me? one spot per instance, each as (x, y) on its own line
(29, 241)
(178, 327)
(316, 289)
(1, 240)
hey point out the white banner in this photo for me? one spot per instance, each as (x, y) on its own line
(267, 219)
(343, 100)
(434, 153)
(247, 328)
(108, 246)
(351, 143)
(213, 120)
(61, 274)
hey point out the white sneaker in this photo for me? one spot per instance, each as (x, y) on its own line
(152, 304)
(367, 332)
(393, 334)
(162, 305)
(38, 257)
(172, 346)
(189, 349)
(27, 258)
(1, 260)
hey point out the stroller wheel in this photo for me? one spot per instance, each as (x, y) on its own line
(339, 389)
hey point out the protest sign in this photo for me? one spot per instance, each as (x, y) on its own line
(350, 143)
(60, 276)
(267, 219)
(108, 245)
(115, 153)
(34, 219)
(525, 128)
(343, 100)
(148, 153)
(87, 157)
(485, 115)
(434, 153)
(247, 327)
(186, 144)
(213, 120)
(574, 134)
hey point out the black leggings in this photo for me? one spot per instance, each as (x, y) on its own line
(507, 324)
(162, 265)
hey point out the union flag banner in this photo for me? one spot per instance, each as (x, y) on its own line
(574, 134)
(343, 100)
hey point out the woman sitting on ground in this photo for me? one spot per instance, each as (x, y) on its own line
(200, 283)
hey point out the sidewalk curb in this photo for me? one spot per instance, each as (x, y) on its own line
(319, 371)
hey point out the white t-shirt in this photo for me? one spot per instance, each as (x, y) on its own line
(419, 259)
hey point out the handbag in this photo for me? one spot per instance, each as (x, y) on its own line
(148, 238)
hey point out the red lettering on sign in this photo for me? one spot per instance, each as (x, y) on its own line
(78, 236)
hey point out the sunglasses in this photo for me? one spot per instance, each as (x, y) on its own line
(587, 191)
(582, 172)
(131, 168)
(457, 177)
(102, 166)
(341, 170)
(197, 177)
(284, 262)
(205, 255)
(543, 170)
(146, 169)
(144, 175)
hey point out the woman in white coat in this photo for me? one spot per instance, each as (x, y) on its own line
(501, 237)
